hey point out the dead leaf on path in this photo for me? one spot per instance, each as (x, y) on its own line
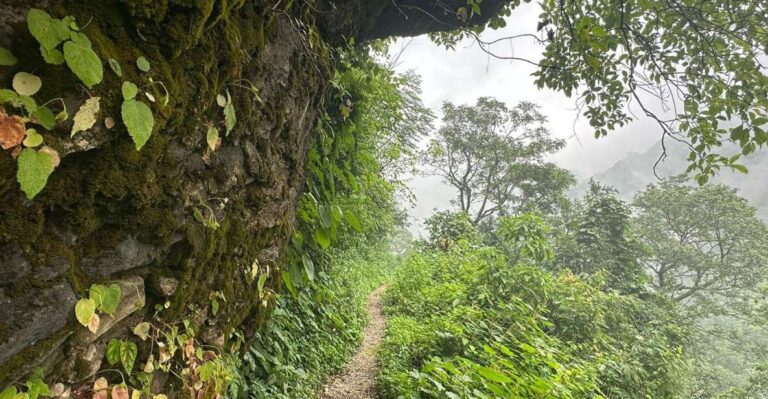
(12, 131)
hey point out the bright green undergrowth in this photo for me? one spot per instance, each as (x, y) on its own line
(312, 335)
(466, 323)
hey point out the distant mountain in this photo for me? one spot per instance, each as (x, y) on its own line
(633, 173)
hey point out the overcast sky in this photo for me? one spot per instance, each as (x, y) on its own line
(466, 73)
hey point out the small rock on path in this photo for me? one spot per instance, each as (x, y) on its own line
(358, 380)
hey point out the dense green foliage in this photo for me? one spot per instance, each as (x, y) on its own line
(472, 323)
(338, 254)
(311, 335)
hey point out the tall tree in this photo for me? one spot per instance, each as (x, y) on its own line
(597, 237)
(495, 157)
(706, 247)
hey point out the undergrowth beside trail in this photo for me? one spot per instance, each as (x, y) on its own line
(312, 335)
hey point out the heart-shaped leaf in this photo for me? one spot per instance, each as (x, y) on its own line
(32, 175)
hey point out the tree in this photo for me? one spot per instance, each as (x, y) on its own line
(447, 227)
(495, 157)
(697, 68)
(706, 247)
(597, 237)
(109, 211)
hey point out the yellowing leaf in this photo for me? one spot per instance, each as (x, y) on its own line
(85, 117)
(142, 330)
(26, 84)
(83, 62)
(32, 175)
(100, 383)
(55, 158)
(136, 394)
(221, 100)
(119, 392)
(93, 324)
(212, 137)
(149, 367)
(84, 308)
(139, 121)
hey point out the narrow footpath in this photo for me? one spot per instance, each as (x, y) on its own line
(358, 380)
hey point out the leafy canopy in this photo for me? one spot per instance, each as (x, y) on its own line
(696, 67)
(494, 156)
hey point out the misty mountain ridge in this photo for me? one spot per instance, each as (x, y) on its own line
(635, 172)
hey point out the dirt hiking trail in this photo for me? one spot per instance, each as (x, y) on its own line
(358, 380)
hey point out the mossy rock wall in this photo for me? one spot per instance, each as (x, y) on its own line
(110, 213)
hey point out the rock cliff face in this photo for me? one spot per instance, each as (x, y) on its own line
(112, 214)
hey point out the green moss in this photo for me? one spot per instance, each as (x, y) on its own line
(197, 48)
(14, 367)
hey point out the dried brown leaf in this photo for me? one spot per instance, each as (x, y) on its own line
(12, 131)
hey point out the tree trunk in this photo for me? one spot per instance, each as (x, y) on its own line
(110, 213)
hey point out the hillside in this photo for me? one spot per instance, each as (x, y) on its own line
(633, 173)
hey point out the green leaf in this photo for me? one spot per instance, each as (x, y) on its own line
(129, 90)
(128, 352)
(26, 84)
(260, 284)
(143, 64)
(44, 117)
(8, 393)
(33, 172)
(29, 103)
(33, 138)
(84, 310)
(97, 293)
(7, 58)
(214, 306)
(309, 266)
(36, 388)
(48, 31)
(322, 239)
(8, 96)
(139, 121)
(353, 221)
(740, 168)
(52, 56)
(113, 351)
(115, 66)
(84, 62)
(111, 300)
(229, 115)
(493, 375)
